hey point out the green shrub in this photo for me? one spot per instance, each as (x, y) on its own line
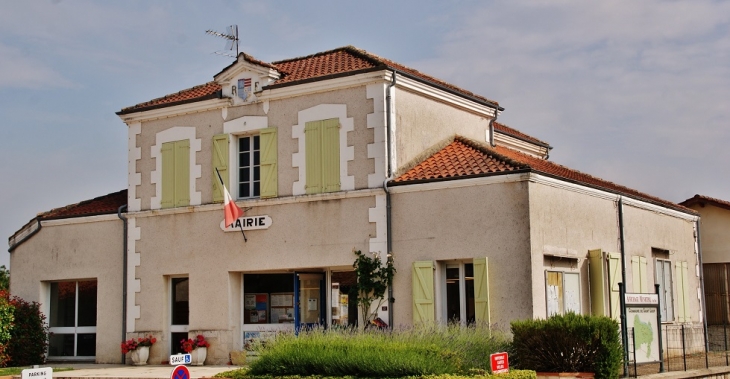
(343, 352)
(29, 336)
(568, 343)
(6, 326)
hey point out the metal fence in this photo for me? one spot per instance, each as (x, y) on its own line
(683, 348)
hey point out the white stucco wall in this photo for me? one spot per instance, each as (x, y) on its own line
(715, 233)
(488, 220)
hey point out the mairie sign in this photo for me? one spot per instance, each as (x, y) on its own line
(248, 223)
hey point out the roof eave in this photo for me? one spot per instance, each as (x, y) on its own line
(215, 95)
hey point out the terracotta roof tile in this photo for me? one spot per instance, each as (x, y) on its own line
(465, 158)
(198, 93)
(106, 204)
(319, 66)
(504, 129)
(702, 200)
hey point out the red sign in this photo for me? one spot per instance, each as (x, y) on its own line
(500, 363)
(180, 372)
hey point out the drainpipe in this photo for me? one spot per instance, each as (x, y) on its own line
(389, 177)
(491, 127)
(124, 277)
(702, 286)
(624, 326)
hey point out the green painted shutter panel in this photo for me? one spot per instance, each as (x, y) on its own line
(269, 163)
(168, 175)
(331, 155)
(636, 273)
(644, 287)
(313, 156)
(614, 278)
(182, 173)
(423, 293)
(220, 162)
(481, 291)
(597, 278)
(680, 292)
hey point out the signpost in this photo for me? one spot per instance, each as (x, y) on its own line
(37, 373)
(181, 359)
(500, 363)
(642, 323)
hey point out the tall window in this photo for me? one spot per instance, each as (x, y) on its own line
(180, 313)
(460, 293)
(72, 319)
(666, 298)
(249, 161)
(563, 292)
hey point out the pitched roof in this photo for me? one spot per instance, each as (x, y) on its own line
(347, 60)
(106, 204)
(464, 158)
(702, 200)
(504, 129)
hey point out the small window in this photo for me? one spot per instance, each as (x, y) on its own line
(249, 170)
(563, 292)
(268, 298)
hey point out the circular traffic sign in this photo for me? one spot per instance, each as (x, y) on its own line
(180, 372)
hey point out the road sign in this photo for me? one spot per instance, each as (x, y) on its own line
(180, 372)
(181, 359)
(500, 363)
(37, 373)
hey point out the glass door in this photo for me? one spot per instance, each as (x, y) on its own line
(179, 313)
(310, 300)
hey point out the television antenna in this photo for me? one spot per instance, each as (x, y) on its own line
(231, 35)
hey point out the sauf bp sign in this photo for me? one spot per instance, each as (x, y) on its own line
(247, 223)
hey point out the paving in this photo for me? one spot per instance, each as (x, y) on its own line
(106, 371)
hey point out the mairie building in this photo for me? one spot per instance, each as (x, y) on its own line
(338, 151)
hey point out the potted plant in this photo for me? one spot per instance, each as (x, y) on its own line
(197, 347)
(138, 349)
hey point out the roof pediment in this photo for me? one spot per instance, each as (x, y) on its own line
(247, 63)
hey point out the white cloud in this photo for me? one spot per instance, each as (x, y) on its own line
(17, 70)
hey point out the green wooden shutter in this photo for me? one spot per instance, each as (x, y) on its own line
(269, 163)
(182, 173)
(644, 287)
(597, 278)
(168, 175)
(331, 155)
(638, 274)
(682, 279)
(313, 156)
(614, 278)
(481, 291)
(220, 162)
(423, 304)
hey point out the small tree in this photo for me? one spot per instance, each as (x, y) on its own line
(373, 279)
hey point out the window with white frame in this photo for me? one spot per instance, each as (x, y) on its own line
(249, 170)
(459, 297)
(663, 277)
(563, 292)
(72, 319)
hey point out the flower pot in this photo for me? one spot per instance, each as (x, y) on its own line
(140, 355)
(198, 356)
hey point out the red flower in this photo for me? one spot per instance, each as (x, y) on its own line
(189, 344)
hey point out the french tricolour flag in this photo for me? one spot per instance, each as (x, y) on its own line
(232, 211)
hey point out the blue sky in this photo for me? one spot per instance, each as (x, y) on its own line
(633, 92)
